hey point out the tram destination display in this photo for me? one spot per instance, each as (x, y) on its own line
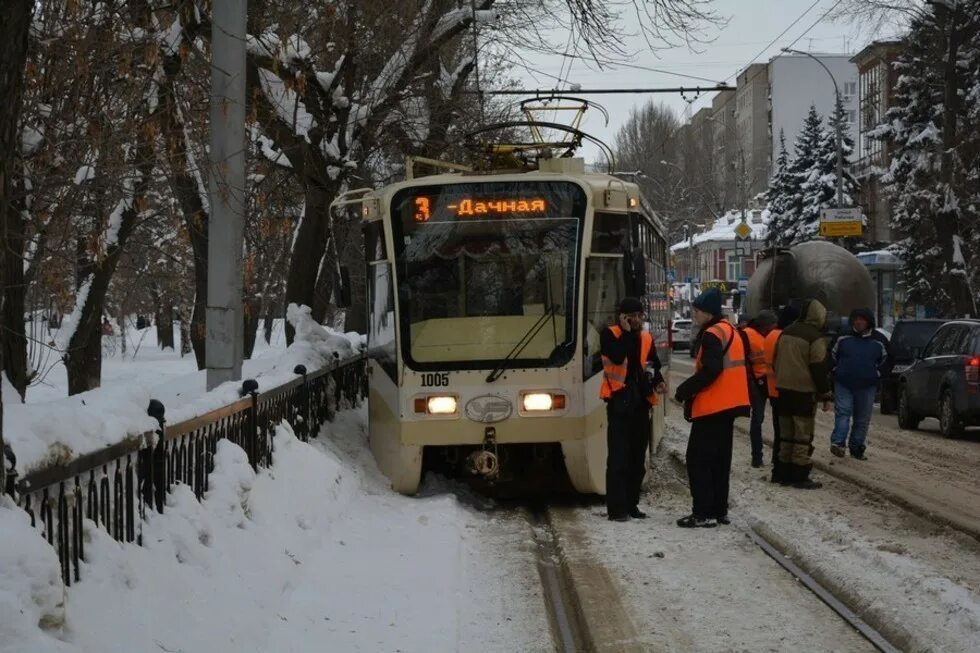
(489, 201)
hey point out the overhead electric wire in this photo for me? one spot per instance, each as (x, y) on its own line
(816, 22)
(781, 34)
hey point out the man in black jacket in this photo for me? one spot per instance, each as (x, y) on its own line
(714, 396)
(627, 407)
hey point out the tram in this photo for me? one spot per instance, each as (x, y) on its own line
(487, 293)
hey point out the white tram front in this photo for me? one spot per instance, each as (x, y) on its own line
(486, 297)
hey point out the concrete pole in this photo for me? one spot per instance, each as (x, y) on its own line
(226, 229)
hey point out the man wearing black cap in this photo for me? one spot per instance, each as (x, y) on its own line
(713, 397)
(629, 392)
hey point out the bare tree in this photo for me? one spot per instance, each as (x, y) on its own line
(14, 26)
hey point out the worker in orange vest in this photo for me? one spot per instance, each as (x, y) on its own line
(713, 397)
(629, 391)
(755, 334)
(787, 316)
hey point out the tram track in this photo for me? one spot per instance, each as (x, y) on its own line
(777, 551)
(568, 625)
(916, 503)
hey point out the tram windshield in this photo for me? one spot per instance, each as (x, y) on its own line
(487, 271)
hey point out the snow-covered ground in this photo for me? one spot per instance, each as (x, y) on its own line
(917, 582)
(314, 554)
(52, 427)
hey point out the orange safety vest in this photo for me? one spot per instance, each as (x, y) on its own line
(731, 388)
(615, 375)
(770, 352)
(757, 352)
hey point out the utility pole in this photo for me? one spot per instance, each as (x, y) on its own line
(838, 129)
(226, 228)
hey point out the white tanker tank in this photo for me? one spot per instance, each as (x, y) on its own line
(812, 270)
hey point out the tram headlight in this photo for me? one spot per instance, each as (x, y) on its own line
(534, 402)
(441, 405)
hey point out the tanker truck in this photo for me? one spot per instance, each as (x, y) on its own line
(812, 270)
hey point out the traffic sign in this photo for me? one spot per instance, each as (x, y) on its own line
(847, 214)
(743, 283)
(836, 223)
(743, 230)
(841, 229)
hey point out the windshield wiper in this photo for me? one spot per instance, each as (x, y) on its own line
(522, 343)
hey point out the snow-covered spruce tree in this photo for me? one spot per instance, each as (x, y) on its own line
(779, 197)
(932, 180)
(820, 186)
(806, 152)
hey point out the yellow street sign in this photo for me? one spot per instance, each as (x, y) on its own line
(838, 229)
(743, 230)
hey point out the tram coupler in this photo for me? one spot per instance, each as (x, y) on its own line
(485, 462)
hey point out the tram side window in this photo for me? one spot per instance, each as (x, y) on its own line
(610, 232)
(381, 332)
(605, 286)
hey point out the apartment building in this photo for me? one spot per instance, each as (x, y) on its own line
(876, 88)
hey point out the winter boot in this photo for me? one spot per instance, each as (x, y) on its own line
(694, 521)
(837, 450)
(858, 454)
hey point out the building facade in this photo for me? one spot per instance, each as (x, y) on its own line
(768, 98)
(725, 149)
(876, 89)
(752, 124)
(713, 256)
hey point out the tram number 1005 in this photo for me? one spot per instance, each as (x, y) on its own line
(435, 380)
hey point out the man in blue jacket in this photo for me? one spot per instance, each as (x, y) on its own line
(857, 358)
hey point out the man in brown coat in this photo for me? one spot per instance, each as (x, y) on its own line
(802, 381)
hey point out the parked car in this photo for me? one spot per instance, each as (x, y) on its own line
(944, 381)
(681, 330)
(907, 340)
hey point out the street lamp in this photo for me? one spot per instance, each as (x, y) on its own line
(839, 132)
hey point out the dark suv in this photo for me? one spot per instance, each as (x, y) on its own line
(945, 381)
(908, 340)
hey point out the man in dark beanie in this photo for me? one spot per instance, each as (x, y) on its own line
(713, 397)
(629, 391)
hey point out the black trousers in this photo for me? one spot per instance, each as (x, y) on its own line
(627, 438)
(709, 463)
(775, 430)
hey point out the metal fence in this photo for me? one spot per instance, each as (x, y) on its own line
(114, 487)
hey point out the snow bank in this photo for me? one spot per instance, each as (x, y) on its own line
(31, 591)
(210, 574)
(58, 431)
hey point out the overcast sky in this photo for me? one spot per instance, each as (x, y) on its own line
(752, 25)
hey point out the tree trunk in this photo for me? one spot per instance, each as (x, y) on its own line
(253, 308)
(15, 20)
(324, 287)
(352, 257)
(948, 223)
(185, 331)
(122, 335)
(83, 358)
(308, 248)
(165, 323)
(12, 317)
(267, 325)
(188, 195)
